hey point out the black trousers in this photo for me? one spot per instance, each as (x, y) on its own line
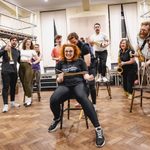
(129, 77)
(62, 93)
(102, 59)
(92, 85)
(9, 80)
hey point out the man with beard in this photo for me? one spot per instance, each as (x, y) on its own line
(100, 42)
(144, 34)
(10, 56)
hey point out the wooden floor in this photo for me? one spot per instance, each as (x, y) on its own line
(26, 128)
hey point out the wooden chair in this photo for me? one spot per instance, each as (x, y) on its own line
(107, 84)
(143, 86)
(36, 88)
(68, 108)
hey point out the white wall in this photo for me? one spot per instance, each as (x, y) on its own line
(47, 33)
(83, 22)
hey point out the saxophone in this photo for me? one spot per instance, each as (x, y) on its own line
(141, 57)
(99, 44)
(119, 68)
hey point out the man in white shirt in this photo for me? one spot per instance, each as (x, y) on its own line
(100, 42)
(143, 35)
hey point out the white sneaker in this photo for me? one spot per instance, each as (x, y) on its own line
(99, 79)
(13, 104)
(5, 108)
(105, 79)
(130, 96)
(95, 107)
(28, 102)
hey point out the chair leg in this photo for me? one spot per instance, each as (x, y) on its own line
(24, 98)
(68, 109)
(132, 100)
(141, 97)
(39, 96)
(97, 88)
(86, 120)
(61, 115)
(108, 89)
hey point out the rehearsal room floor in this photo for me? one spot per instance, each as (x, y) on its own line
(26, 128)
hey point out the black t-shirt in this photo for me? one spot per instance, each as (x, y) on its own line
(6, 65)
(85, 49)
(71, 67)
(125, 56)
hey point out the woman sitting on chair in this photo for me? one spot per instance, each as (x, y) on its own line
(129, 66)
(72, 73)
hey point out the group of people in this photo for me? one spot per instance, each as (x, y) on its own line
(127, 58)
(77, 64)
(75, 58)
(28, 58)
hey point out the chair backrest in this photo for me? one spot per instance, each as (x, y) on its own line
(144, 76)
(148, 75)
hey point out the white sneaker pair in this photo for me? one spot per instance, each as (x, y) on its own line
(102, 79)
(12, 104)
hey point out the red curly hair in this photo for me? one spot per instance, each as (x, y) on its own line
(77, 51)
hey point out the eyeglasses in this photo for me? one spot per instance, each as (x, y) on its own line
(69, 51)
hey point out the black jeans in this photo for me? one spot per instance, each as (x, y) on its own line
(129, 77)
(102, 59)
(92, 85)
(62, 93)
(9, 80)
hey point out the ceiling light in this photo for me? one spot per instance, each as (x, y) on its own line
(45, 0)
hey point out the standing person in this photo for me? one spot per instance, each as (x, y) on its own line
(56, 50)
(36, 68)
(71, 63)
(25, 69)
(10, 56)
(100, 42)
(129, 66)
(86, 55)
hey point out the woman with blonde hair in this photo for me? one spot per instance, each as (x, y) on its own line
(129, 66)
